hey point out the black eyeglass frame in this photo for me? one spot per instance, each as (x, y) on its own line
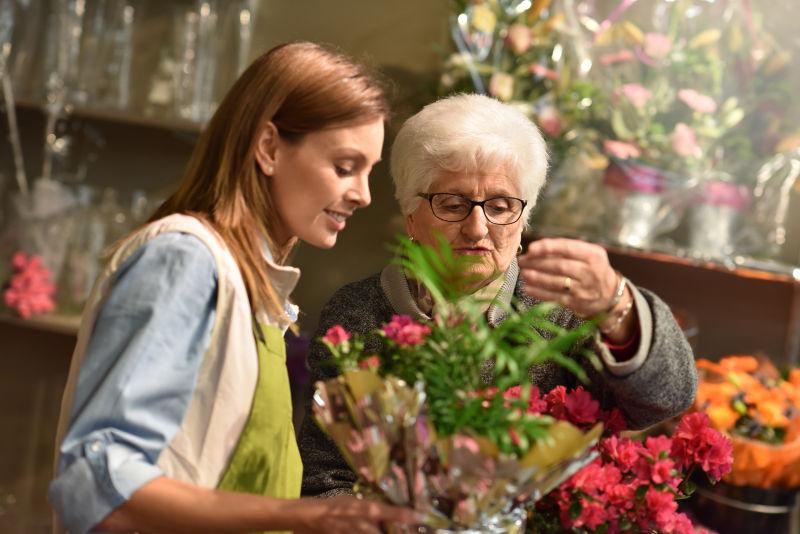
(473, 203)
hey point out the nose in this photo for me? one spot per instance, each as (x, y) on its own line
(358, 194)
(475, 226)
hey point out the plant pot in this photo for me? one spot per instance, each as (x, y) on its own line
(715, 217)
(730, 509)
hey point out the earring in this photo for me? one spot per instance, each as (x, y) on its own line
(270, 170)
(520, 248)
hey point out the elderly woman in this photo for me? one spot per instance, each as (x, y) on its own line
(470, 168)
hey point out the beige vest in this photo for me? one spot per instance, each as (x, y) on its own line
(219, 408)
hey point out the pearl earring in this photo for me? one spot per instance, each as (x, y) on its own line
(270, 169)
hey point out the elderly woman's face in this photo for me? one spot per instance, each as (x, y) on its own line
(495, 245)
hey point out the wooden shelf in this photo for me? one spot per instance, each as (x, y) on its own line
(59, 324)
(121, 116)
(741, 266)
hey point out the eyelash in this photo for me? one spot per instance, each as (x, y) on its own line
(342, 172)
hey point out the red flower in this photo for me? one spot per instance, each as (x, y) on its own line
(557, 403)
(695, 442)
(581, 407)
(405, 331)
(613, 421)
(30, 290)
(336, 335)
(623, 452)
(662, 507)
(372, 362)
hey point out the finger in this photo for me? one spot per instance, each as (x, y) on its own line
(554, 283)
(566, 248)
(393, 514)
(575, 269)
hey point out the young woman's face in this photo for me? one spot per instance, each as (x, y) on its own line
(319, 182)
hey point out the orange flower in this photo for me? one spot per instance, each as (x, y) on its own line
(771, 413)
(722, 416)
(739, 362)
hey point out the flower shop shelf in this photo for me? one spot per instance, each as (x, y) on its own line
(120, 116)
(58, 324)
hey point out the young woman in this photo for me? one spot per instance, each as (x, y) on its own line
(177, 412)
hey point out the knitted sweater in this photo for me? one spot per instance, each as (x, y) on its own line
(661, 386)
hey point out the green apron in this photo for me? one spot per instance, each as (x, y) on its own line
(266, 460)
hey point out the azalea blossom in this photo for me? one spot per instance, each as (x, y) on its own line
(621, 149)
(697, 101)
(519, 38)
(657, 45)
(684, 141)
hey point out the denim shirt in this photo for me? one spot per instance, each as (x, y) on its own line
(137, 378)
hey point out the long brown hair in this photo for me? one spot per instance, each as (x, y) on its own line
(301, 87)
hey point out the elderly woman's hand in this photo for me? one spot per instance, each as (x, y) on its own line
(574, 273)
(579, 276)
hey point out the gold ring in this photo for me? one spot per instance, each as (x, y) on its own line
(567, 284)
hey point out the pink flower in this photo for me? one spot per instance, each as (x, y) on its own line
(623, 452)
(404, 331)
(556, 401)
(613, 421)
(30, 290)
(372, 362)
(581, 407)
(697, 101)
(661, 472)
(621, 149)
(657, 45)
(684, 141)
(336, 335)
(612, 58)
(540, 71)
(662, 507)
(593, 514)
(695, 442)
(549, 121)
(635, 93)
(519, 38)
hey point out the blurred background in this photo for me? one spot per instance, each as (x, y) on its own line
(673, 128)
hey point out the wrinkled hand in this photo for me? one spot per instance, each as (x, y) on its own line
(574, 273)
(348, 515)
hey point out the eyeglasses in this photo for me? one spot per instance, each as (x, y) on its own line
(455, 208)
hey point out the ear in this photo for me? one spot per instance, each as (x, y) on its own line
(410, 224)
(267, 148)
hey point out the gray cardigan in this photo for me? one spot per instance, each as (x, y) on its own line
(658, 383)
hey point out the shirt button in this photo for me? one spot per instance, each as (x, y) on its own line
(95, 446)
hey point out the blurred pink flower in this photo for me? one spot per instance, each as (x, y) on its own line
(30, 290)
(519, 38)
(684, 141)
(336, 335)
(621, 149)
(501, 86)
(542, 72)
(616, 57)
(404, 331)
(635, 93)
(549, 121)
(657, 45)
(697, 101)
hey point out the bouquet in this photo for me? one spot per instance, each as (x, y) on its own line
(760, 410)
(419, 423)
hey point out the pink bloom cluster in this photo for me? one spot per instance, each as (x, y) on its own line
(336, 335)
(30, 290)
(404, 331)
(635, 93)
(632, 485)
(621, 149)
(697, 101)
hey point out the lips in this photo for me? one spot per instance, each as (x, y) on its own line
(338, 216)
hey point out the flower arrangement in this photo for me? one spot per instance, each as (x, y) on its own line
(30, 290)
(760, 409)
(633, 486)
(681, 92)
(417, 422)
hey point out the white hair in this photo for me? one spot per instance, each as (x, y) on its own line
(467, 133)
